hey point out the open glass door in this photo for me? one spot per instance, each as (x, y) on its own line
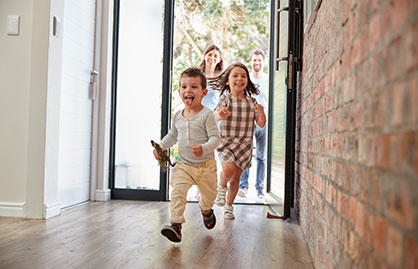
(284, 54)
(140, 97)
(142, 92)
(237, 29)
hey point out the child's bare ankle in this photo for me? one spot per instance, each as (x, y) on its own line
(206, 211)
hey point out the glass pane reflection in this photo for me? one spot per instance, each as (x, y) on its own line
(279, 132)
(279, 110)
(139, 88)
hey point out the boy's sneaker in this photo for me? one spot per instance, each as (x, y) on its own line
(220, 197)
(242, 193)
(172, 232)
(229, 212)
(260, 194)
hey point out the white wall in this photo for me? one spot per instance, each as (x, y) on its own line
(24, 85)
(15, 84)
(37, 109)
(30, 77)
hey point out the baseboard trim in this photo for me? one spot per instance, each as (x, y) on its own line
(102, 195)
(12, 209)
(52, 209)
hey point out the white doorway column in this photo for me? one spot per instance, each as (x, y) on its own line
(52, 206)
(102, 108)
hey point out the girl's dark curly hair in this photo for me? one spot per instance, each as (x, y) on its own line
(220, 66)
(219, 82)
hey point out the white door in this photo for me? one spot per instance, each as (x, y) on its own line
(76, 106)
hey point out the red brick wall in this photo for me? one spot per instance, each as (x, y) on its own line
(357, 134)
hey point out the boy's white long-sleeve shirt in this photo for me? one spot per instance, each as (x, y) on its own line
(200, 129)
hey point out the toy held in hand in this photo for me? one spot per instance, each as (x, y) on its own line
(162, 156)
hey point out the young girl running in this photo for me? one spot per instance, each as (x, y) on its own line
(237, 111)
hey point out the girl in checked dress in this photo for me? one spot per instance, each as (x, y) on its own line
(237, 111)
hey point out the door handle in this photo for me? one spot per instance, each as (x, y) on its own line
(281, 59)
(282, 9)
(92, 87)
(290, 73)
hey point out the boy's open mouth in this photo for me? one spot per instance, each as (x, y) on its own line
(188, 100)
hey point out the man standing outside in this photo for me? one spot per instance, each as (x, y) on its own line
(257, 77)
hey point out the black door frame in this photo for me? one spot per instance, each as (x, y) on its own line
(130, 194)
(293, 65)
(290, 114)
(293, 56)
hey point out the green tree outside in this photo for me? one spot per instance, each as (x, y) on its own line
(238, 27)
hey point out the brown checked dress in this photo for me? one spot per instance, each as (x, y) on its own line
(237, 130)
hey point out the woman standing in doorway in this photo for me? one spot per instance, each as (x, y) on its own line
(212, 65)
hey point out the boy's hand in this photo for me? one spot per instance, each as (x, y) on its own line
(156, 156)
(222, 113)
(197, 150)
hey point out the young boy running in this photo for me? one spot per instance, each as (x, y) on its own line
(195, 130)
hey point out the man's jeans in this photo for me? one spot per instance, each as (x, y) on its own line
(260, 144)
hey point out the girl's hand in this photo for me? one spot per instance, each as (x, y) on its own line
(197, 150)
(156, 156)
(222, 113)
(260, 117)
(259, 109)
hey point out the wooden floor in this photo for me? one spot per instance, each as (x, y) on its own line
(126, 234)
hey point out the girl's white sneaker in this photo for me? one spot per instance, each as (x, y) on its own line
(220, 197)
(229, 212)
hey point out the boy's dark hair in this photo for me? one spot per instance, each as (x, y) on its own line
(220, 66)
(194, 72)
(220, 82)
(258, 52)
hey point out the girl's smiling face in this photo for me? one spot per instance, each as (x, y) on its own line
(191, 91)
(237, 81)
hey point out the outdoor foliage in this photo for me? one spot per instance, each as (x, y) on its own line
(237, 26)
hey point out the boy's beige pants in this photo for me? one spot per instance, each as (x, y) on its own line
(184, 176)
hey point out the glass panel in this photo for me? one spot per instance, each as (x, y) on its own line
(279, 111)
(236, 27)
(279, 132)
(284, 31)
(139, 91)
(310, 6)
